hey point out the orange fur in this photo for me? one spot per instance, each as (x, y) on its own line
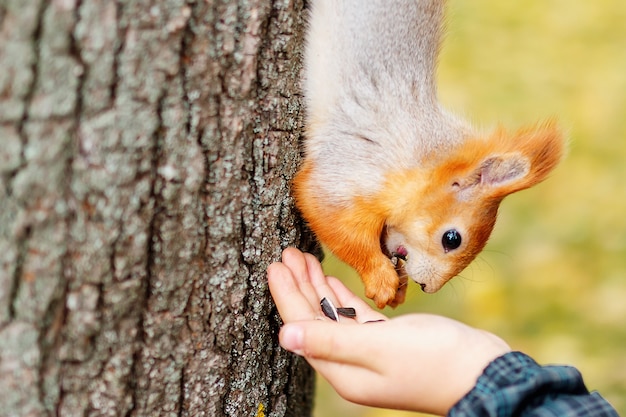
(389, 174)
(464, 186)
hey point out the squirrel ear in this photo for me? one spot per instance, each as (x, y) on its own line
(511, 163)
(494, 173)
(500, 170)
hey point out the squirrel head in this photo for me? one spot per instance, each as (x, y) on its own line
(443, 214)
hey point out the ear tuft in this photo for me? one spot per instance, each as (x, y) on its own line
(530, 154)
(504, 163)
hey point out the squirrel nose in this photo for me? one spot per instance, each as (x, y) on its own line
(423, 287)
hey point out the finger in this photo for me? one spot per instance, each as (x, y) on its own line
(296, 262)
(330, 341)
(319, 280)
(291, 303)
(347, 298)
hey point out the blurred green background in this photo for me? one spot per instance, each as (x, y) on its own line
(552, 280)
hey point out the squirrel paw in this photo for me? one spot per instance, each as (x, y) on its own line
(400, 293)
(403, 280)
(384, 287)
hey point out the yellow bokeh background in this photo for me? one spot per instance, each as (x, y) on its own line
(552, 280)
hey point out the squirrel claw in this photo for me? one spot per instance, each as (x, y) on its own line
(388, 295)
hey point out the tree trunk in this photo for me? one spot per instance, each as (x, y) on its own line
(145, 158)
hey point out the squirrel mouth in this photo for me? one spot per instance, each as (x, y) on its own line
(399, 254)
(398, 258)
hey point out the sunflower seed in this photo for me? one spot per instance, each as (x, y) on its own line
(347, 312)
(329, 309)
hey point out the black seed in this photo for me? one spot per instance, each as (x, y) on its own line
(329, 309)
(347, 312)
(399, 256)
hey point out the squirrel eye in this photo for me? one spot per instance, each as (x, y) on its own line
(451, 240)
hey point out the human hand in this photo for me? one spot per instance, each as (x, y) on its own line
(416, 362)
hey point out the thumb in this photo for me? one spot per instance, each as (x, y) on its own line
(349, 344)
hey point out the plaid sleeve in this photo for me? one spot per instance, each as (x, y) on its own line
(515, 385)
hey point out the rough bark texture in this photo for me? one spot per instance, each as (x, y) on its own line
(146, 148)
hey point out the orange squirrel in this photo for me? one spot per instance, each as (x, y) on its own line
(392, 183)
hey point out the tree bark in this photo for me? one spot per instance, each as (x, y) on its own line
(146, 152)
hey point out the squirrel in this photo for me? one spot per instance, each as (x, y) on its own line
(392, 183)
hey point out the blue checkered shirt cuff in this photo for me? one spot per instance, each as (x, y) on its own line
(515, 385)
